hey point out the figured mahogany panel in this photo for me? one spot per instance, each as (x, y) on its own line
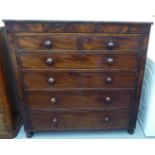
(120, 43)
(78, 61)
(69, 42)
(72, 79)
(52, 100)
(80, 120)
(76, 27)
(39, 42)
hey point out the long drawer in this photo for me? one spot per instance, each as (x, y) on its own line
(77, 79)
(79, 99)
(70, 42)
(78, 61)
(80, 120)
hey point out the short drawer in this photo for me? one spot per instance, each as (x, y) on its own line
(79, 99)
(111, 43)
(80, 120)
(73, 42)
(46, 42)
(77, 79)
(78, 61)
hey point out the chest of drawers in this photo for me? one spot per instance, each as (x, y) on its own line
(78, 75)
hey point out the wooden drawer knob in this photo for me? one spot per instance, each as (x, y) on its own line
(110, 45)
(53, 100)
(55, 121)
(51, 81)
(107, 119)
(49, 61)
(107, 100)
(109, 80)
(110, 61)
(48, 44)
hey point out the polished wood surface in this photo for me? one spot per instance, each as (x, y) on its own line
(78, 60)
(78, 75)
(120, 43)
(36, 42)
(77, 27)
(78, 79)
(2, 124)
(71, 42)
(79, 99)
(10, 119)
(80, 120)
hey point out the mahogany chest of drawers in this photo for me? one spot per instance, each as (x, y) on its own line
(78, 75)
(10, 119)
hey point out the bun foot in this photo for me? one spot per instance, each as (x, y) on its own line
(29, 134)
(130, 131)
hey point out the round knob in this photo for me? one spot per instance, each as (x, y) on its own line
(109, 80)
(107, 100)
(53, 100)
(48, 43)
(107, 119)
(49, 61)
(51, 80)
(110, 61)
(110, 45)
(55, 121)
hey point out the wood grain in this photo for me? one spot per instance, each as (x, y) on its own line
(78, 27)
(71, 42)
(10, 119)
(78, 61)
(79, 99)
(70, 79)
(80, 120)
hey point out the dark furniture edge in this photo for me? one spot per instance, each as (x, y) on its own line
(76, 22)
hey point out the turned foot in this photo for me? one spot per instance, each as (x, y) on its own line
(130, 131)
(29, 134)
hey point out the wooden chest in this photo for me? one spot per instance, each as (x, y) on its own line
(10, 119)
(78, 75)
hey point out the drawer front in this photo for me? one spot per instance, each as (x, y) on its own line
(79, 99)
(80, 120)
(70, 79)
(111, 43)
(78, 61)
(72, 42)
(47, 42)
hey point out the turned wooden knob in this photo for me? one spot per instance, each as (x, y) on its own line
(51, 80)
(107, 119)
(55, 121)
(48, 44)
(53, 100)
(107, 100)
(49, 61)
(110, 61)
(110, 45)
(109, 80)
